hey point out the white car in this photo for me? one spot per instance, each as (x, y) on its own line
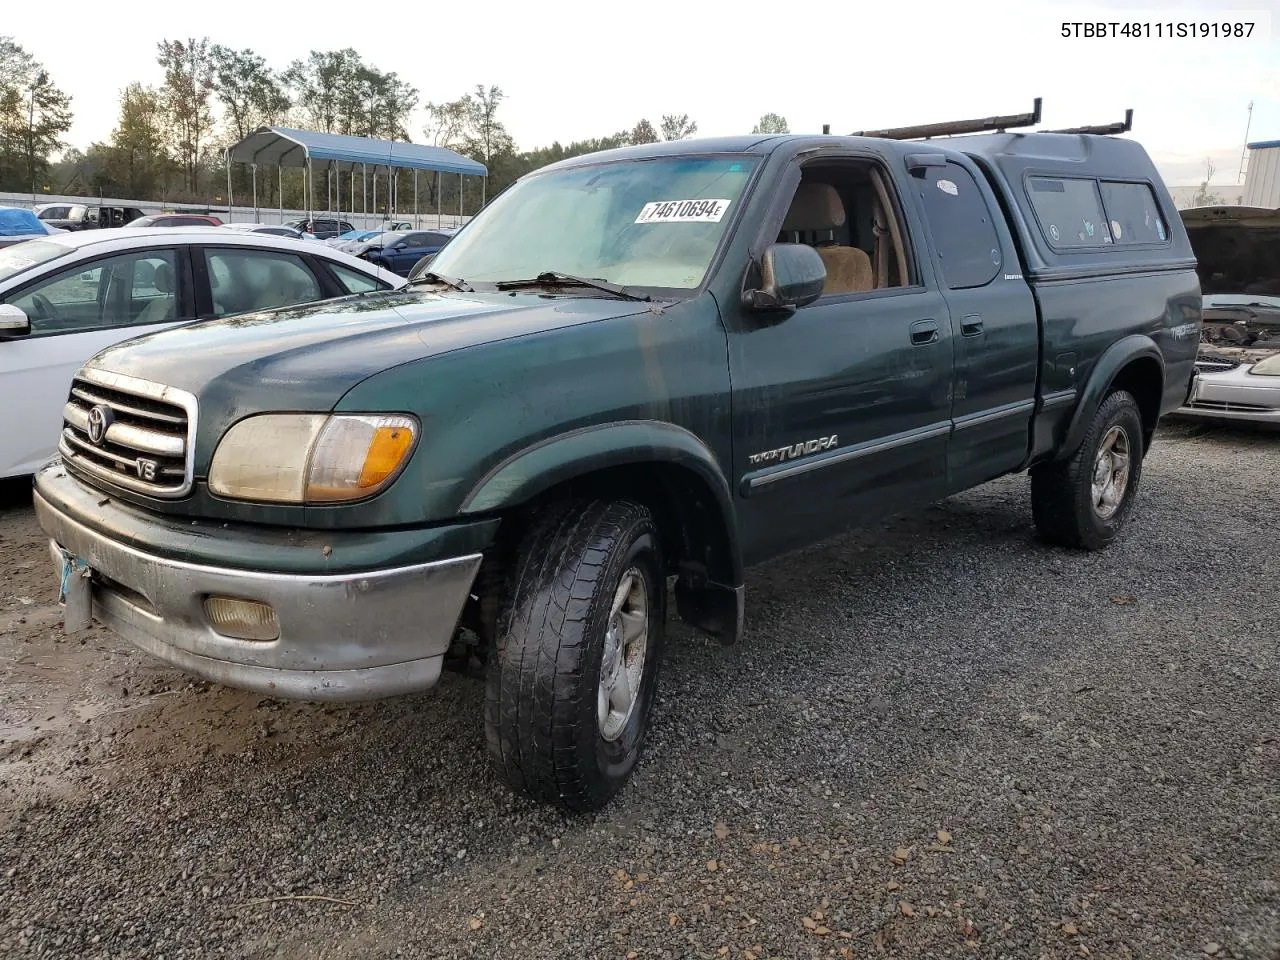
(1238, 369)
(1237, 252)
(65, 297)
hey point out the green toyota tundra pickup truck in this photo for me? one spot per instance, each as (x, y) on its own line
(634, 373)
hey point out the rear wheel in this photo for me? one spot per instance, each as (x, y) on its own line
(1083, 501)
(572, 676)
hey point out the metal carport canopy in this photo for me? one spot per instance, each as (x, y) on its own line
(285, 147)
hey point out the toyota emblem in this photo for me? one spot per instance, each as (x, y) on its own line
(100, 418)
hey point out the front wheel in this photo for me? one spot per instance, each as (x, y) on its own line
(572, 676)
(1083, 501)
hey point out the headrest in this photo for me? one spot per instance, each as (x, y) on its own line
(163, 279)
(816, 206)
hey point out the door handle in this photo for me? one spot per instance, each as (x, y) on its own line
(924, 331)
(971, 326)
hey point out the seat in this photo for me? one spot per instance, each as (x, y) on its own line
(160, 308)
(817, 207)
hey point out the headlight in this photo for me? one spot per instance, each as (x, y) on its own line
(1268, 366)
(310, 457)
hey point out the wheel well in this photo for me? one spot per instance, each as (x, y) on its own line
(695, 533)
(1143, 378)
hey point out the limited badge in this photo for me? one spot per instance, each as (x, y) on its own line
(683, 211)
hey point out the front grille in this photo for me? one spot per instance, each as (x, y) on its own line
(146, 444)
(1232, 406)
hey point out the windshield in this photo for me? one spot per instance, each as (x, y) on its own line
(28, 253)
(651, 223)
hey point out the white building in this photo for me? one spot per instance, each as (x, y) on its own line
(1262, 175)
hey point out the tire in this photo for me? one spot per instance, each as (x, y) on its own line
(1063, 501)
(543, 721)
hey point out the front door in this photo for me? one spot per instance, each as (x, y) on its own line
(841, 411)
(74, 314)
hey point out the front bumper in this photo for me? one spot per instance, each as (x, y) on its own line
(345, 636)
(1234, 394)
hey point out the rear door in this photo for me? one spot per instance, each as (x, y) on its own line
(74, 313)
(993, 321)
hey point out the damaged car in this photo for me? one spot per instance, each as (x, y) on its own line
(1238, 367)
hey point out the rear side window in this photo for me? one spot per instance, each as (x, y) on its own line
(245, 280)
(1069, 211)
(1132, 213)
(966, 241)
(353, 281)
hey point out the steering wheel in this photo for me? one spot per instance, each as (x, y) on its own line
(45, 309)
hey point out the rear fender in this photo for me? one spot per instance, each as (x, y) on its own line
(1113, 360)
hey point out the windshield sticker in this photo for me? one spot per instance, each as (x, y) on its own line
(683, 211)
(1115, 229)
(948, 186)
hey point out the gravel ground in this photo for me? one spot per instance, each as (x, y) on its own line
(939, 738)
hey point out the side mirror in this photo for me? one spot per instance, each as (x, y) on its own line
(791, 275)
(13, 321)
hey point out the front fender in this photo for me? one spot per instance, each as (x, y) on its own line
(1114, 359)
(555, 460)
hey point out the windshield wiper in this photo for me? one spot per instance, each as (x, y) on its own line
(454, 282)
(553, 278)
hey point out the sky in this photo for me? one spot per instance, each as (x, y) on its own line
(573, 69)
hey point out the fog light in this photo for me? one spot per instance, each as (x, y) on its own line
(241, 619)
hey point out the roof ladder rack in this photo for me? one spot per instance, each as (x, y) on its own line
(953, 127)
(1103, 129)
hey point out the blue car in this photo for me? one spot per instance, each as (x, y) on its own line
(353, 238)
(398, 251)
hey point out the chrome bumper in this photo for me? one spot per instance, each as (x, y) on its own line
(355, 636)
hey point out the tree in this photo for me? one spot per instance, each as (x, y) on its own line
(251, 93)
(486, 135)
(138, 164)
(340, 93)
(385, 104)
(48, 118)
(447, 122)
(643, 132)
(186, 99)
(771, 123)
(677, 128)
(1203, 197)
(323, 84)
(34, 116)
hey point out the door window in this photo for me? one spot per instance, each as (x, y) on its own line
(246, 280)
(122, 291)
(964, 236)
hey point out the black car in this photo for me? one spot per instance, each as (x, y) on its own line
(322, 228)
(82, 216)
